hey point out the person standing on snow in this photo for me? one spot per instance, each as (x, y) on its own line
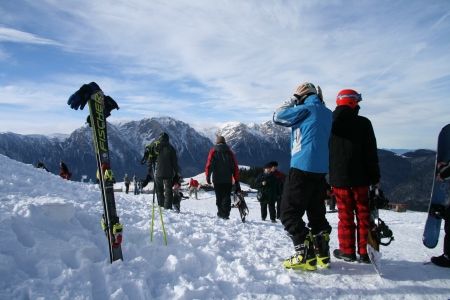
(193, 188)
(280, 178)
(268, 192)
(126, 180)
(353, 168)
(305, 184)
(444, 174)
(223, 167)
(64, 171)
(166, 169)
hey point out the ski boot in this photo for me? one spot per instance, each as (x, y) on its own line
(117, 233)
(441, 261)
(322, 249)
(304, 257)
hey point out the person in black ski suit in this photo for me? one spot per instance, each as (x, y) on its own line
(163, 156)
(268, 192)
(126, 180)
(444, 259)
(223, 167)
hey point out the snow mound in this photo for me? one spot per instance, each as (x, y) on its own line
(53, 248)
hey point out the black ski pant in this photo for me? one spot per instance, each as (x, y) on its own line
(272, 213)
(223, 199)
(164, 192)
(304, 192)
(127, 188)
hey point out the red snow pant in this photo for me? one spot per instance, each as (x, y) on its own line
(353, 202)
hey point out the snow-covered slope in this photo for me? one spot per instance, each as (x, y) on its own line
(52, 247)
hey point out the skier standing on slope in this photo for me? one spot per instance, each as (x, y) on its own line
(222, 164)
(305, 184)
(164, 157)
(193, 188)
(444, 259)
(353, 168)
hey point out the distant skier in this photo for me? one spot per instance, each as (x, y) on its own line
(268, 192)
(40, 165)
(280, 176)
(64, 171)
(193, 188)
(444, 259)
(135, 185)
(353, 168)
(127, 182)
(304, 187)
(223, 167)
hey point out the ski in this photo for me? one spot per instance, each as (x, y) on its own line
(100, 107)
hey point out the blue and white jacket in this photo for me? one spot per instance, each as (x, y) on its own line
(311, 126)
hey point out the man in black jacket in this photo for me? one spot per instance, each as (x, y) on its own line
(353, 168)
(222, 164)
(164, 157)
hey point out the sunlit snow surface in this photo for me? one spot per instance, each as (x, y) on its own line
(52, 247)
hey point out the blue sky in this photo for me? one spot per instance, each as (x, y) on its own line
(209, 62)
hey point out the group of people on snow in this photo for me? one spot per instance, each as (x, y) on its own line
(341, 143)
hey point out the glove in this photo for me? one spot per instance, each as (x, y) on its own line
(238, 186)
(110, 104)
(81, 97)
(444, 170)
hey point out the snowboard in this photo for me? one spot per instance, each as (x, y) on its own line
(439, 199)
(239, 202)
(100, 107)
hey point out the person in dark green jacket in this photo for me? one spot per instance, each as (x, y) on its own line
(268, 192)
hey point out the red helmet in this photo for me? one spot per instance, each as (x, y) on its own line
(348, 97)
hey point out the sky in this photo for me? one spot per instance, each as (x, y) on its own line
(210, 62)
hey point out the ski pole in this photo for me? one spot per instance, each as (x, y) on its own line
(162, 225)
(153, 206)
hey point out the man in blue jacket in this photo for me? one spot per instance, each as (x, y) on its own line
(305, 186)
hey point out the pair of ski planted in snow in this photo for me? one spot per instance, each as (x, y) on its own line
(100, 107)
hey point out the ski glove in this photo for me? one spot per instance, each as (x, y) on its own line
(110, 104)
(81, 97)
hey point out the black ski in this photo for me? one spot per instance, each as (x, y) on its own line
(99, 109)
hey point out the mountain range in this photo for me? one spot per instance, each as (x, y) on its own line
(406, 178)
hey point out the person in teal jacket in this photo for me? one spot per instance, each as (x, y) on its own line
(305, 186)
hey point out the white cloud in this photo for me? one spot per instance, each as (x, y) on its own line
(17, 36)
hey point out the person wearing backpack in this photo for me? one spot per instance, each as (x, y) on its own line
(162, 155)
(222, 166)
(310, 122)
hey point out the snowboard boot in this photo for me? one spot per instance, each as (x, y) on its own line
(304, 257)
(322, 249)
(364, 259)
(346, 257)
(441, 261)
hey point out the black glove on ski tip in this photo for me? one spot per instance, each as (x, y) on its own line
(81, 97)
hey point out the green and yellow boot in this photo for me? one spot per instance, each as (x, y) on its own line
(304, 257)
(322, 249)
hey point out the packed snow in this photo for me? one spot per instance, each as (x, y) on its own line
(52, 247)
